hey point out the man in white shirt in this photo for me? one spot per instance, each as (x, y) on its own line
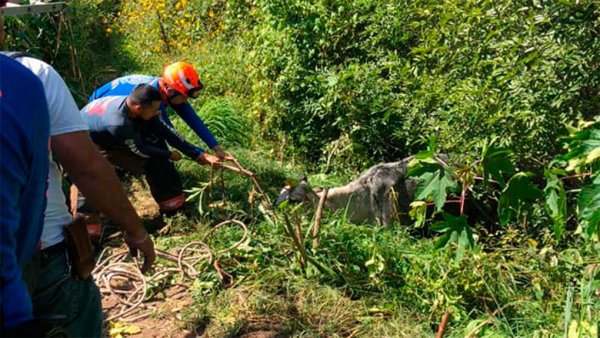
(58, 297)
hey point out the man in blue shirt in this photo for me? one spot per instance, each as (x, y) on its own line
(132, 136)
(24, 143)
(180, 82)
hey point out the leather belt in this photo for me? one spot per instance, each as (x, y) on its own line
(54, 249)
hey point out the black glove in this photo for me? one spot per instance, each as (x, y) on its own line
(35, 328)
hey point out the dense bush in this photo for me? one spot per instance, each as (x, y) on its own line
(388, 75)
(354, 82)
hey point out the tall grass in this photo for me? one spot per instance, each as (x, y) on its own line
(226, 122)
(518, 292)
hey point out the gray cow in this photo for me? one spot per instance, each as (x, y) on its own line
(381, 194)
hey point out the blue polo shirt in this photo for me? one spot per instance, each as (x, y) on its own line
(24, 143)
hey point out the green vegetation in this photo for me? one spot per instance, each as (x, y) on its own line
(509, 89)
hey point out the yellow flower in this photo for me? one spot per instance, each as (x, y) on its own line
(109, 30)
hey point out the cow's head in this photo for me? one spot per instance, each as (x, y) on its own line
(295, 191)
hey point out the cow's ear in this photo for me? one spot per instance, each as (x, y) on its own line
(303, 178)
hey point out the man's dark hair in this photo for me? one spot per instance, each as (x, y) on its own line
(144, 94)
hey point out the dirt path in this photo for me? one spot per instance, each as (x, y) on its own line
(164, 317)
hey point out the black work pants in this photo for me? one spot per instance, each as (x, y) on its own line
(161, 175)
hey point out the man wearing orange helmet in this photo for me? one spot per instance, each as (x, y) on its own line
(179, 83)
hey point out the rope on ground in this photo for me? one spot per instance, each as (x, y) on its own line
(129, 286)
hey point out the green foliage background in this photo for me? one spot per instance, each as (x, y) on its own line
(357, 81)
(390, 75)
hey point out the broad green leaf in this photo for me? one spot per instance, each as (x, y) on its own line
(431, 149)
(582, 149)
(455, 230)
(593, 155)
(465, 239)
(556, 202)
(583, 144)
(517, 197)
(434, 180)
(589, 207)
(443, 240)
(495, 162)
(440, 227)
(575, 164)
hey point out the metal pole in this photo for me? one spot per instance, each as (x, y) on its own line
(13, 10)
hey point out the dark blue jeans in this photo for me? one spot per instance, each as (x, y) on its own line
(64, 301)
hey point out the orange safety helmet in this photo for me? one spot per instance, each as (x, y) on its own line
(182, 77)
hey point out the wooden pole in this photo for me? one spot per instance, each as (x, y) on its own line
(443, 324)
(315, 243)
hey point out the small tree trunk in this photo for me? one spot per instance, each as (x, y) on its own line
(315, 243)
(443, 324)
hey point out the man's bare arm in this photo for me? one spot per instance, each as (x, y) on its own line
(98, 182)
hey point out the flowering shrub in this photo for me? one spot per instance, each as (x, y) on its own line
(166, 26)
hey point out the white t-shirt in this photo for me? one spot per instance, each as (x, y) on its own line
(64, 118)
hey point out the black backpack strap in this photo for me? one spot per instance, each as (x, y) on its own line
(16, 55)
